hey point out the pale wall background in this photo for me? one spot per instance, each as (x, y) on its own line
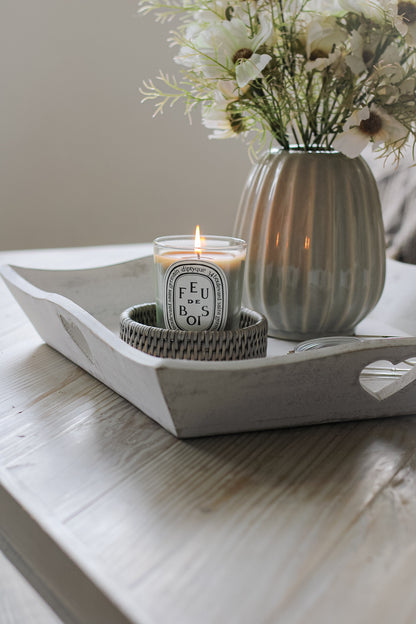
(81, 160)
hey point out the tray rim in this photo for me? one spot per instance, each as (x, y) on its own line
(10, 274)
(231, 396)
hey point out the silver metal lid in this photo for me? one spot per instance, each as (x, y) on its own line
(322, 343)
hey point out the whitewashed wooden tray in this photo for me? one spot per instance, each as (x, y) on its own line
(77, 313)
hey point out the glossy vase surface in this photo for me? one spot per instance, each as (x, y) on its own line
(316, 249)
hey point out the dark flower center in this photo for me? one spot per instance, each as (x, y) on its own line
(237, 123)
(242, 54)
(367, 56)
(372, 125)
(316, 54)
(407, 10)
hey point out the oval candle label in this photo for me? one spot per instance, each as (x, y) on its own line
(196, 296)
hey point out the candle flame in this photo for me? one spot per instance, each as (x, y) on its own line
(197, 243)
(307, 242)
(197, 238)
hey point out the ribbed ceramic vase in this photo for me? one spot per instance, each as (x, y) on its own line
(316, 252)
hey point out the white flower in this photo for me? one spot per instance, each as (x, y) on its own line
(188, 55)
(388, 94)
(408, 86)
(390, 56)
(320, 63)
(391, 93)
(204, 20)
(363, 54)
(229, 89)
(363, 50)
(324, 6)
(299, 70)
(218, 10)
(390, 65)
(318, 6)
(224, 122)
(371, 9)
(404, 18)
(228, 49)
(369, 125)
(322, 35)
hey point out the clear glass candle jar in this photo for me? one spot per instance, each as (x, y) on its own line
(199, 284)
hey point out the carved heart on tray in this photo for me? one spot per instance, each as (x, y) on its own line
(382, 379)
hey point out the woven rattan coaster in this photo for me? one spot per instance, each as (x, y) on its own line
(137, 328)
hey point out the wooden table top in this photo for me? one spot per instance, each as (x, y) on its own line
(113, 520)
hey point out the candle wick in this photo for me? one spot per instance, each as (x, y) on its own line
(198, 255)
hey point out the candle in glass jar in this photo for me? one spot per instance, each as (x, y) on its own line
(199, 282)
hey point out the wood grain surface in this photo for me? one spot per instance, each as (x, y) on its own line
(19, 602)
(114, 520)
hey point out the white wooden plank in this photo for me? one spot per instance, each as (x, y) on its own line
(219, 518)
(58, 566)
(370, 570)
(273, 507)
(19, 602)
